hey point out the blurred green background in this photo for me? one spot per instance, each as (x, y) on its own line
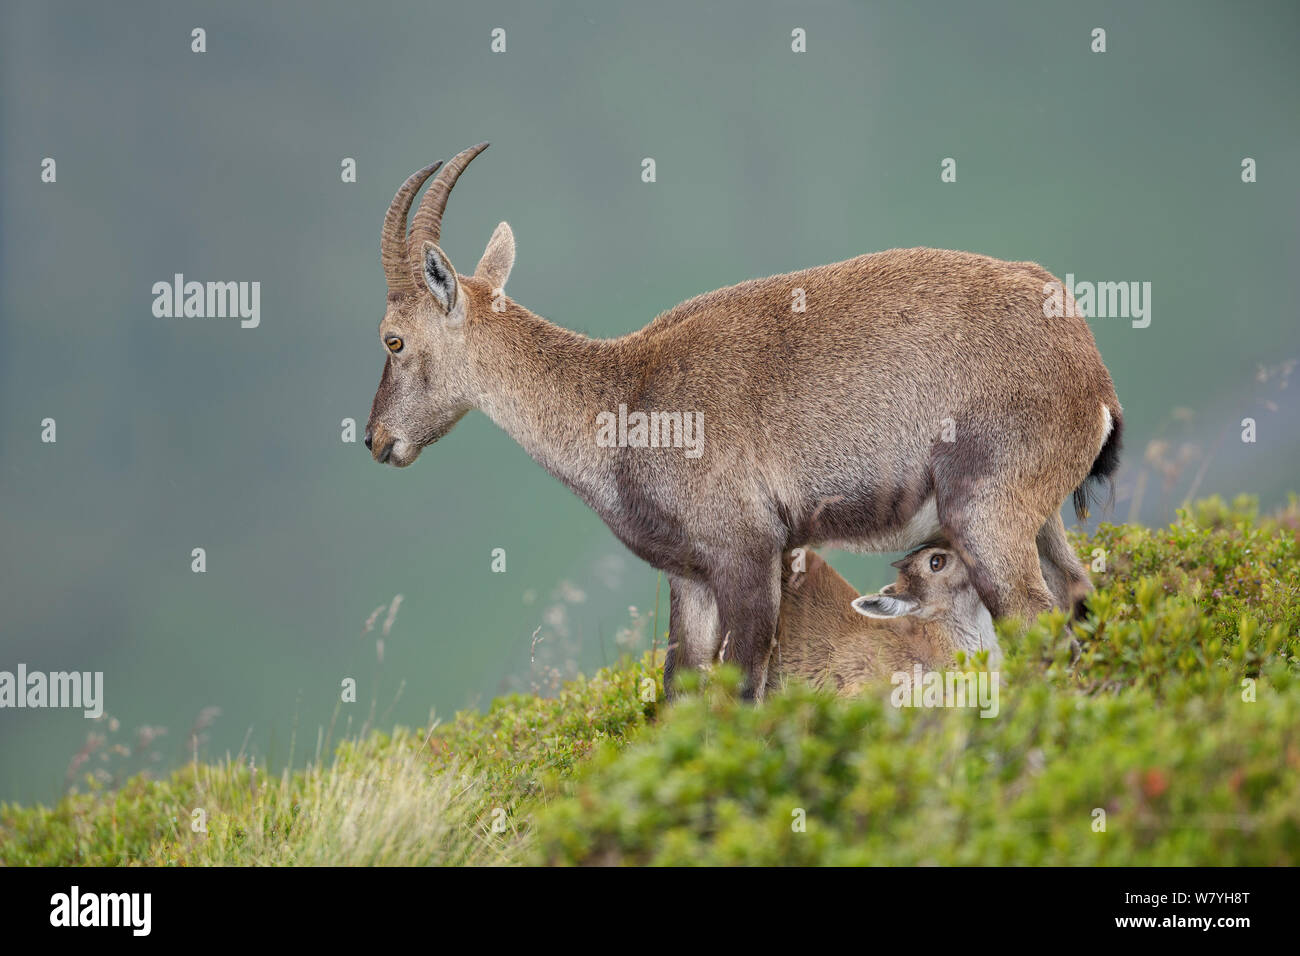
(183, 433)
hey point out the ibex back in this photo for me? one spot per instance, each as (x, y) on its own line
(871, 404)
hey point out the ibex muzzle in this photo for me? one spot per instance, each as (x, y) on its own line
(872, 404)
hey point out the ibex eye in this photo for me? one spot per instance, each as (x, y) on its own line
(394, 343)
(937, 561)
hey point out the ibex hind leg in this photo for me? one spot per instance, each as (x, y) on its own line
(997, 541)
(1066, 576)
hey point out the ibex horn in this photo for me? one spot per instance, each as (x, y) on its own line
(392, 240)
(427, 224)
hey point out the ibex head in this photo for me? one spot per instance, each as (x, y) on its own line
(425, 387)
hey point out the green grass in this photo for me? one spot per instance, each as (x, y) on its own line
(373, 806)
(450, 796)
(1171, 714)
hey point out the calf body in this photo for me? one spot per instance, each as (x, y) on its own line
(837, 641)
(871, 404)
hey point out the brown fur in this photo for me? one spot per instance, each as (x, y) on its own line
(821, 639)
(821, 426)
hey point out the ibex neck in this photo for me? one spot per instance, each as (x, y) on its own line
(544, 385)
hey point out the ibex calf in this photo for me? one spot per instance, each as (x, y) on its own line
(870, 404)
(835, 640)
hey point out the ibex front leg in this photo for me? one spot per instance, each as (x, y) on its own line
(692, 628)
(748, 593)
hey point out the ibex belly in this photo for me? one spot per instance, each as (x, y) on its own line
(922, 527)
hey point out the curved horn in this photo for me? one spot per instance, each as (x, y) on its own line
(427, 224)
(392, 238)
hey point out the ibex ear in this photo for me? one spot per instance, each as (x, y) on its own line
(439, 276)
(885, 605)
(498, 257)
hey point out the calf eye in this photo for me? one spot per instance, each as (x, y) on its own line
(937, 561)
(394, 343)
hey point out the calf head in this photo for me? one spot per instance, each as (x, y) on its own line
(931, 581)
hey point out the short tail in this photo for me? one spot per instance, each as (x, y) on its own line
(1104, 467)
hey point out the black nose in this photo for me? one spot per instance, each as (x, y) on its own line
(367, 437)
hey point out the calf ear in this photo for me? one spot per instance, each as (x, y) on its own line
(885, 605)
(498, 258)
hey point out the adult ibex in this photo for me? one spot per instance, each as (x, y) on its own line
(835, 640)
(869, 404)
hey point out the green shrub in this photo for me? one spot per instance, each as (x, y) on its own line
(1174, 709)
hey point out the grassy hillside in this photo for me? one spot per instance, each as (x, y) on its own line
(1163, 729)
